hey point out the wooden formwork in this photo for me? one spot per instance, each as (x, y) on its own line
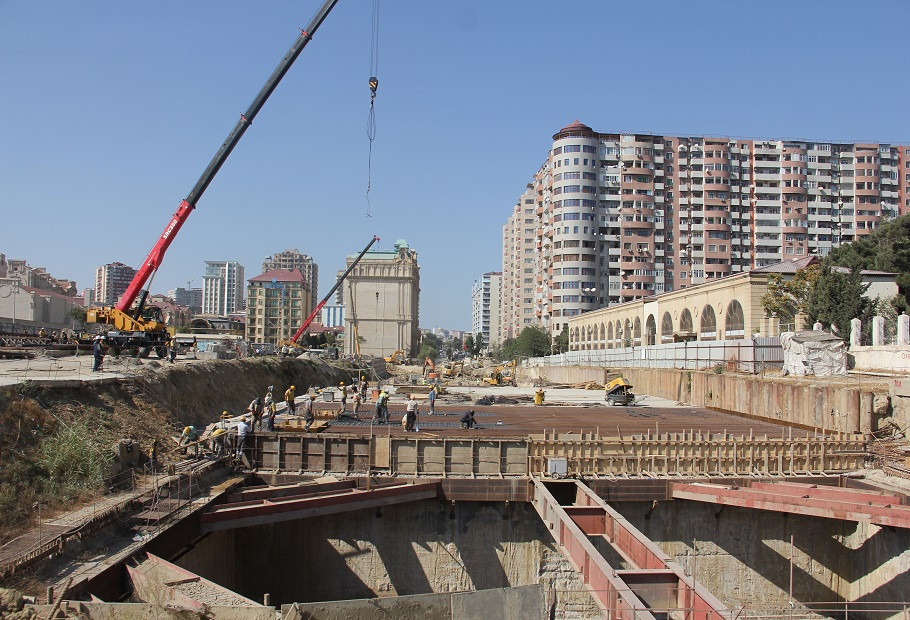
(699, 454)
(649, 455)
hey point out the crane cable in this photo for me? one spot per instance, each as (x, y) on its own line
(374, 84)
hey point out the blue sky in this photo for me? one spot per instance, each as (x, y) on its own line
(113, 109)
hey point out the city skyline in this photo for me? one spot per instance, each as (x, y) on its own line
(111, 131)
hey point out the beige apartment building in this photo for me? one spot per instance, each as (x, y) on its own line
(381, 299)
(293, 259)
(278, 301)
(614, 217)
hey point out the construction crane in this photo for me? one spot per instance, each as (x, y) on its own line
(309, 319)
(143, 328)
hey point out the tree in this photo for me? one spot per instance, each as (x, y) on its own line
(78, 313)
(427, 350)
(561, 343)
(478, 343)
(786, 298)
(530, 342)
(469, 344)
(837, 297)
(885, 249)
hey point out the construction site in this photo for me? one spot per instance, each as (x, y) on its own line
(293, 487)
(571, 508)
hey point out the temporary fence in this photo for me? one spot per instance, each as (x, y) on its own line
(753, 355)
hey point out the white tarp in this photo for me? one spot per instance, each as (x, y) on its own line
(813, 353)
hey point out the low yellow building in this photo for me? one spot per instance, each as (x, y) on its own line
(725, 309)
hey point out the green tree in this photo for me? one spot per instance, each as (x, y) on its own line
(478, 342)
(427, 350)
(530, 342)
(837, 297)
(469, 344)
(885, 249)
(78, 313)
(562, 341)
(789, 297)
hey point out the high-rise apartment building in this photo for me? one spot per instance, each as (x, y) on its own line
(381, 302)
(189, 297)
(611, 217)
(278, 301)
(222, 288)
(486, 300)
(293, 259)
(111, 281)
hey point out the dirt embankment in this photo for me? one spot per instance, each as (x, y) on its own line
(57, 441)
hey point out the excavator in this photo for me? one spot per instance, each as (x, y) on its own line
(619, 392)
(504, 374)
(397, 357)
(141, 327)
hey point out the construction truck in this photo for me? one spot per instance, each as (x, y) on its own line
(619, 392)
(141, 327)
(452, 370)
(504, 374)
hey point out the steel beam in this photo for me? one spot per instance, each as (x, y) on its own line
(846, 509)
(657, 583)
(259, 512)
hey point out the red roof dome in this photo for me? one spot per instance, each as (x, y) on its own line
(574, 129)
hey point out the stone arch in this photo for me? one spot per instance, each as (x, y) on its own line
(627, 333)
(685, 321)
(573, 339)
(617, 335)
(708, 328)
(650, 330)
(610, 335)
(636, 333)
(666, 328)
(735, 322)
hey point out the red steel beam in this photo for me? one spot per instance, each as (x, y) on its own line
(796, 489)
(244, 514)
(896, 516)
(657, 582)
(287, 490)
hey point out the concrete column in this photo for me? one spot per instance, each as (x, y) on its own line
(802, 320)
(856, 332)
(878, 331)
(774, 325)
(850, 407)
(903, 330)
(866, 412)
(817, 326)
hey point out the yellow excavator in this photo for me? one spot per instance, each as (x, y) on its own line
(504, 374)
(395, 358)
(619, 392)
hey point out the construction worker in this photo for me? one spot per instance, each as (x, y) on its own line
(172, 349)
(344, 398)
(356, 400)
(243, 430)
(255, 408)
(364, 386)
(219, 435)
(411, 413)
(431, 397)
(289, 396)
(308, 412)
(270, 410)
(467, 420)
(190, 436)
(98, 353)
(382, 407)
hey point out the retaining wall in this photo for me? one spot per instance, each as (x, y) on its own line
(851, 406)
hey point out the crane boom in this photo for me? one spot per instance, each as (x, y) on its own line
(319, 306)
(153, 260)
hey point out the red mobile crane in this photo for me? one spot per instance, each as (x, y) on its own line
(309, 319)
(143, 327)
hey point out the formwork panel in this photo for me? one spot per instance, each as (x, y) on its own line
(314, 453)
(431, 457)
(487, 458)
(460, 458)
(515, 458)
(404, 457)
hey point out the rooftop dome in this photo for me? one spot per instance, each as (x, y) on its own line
(574, 129)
